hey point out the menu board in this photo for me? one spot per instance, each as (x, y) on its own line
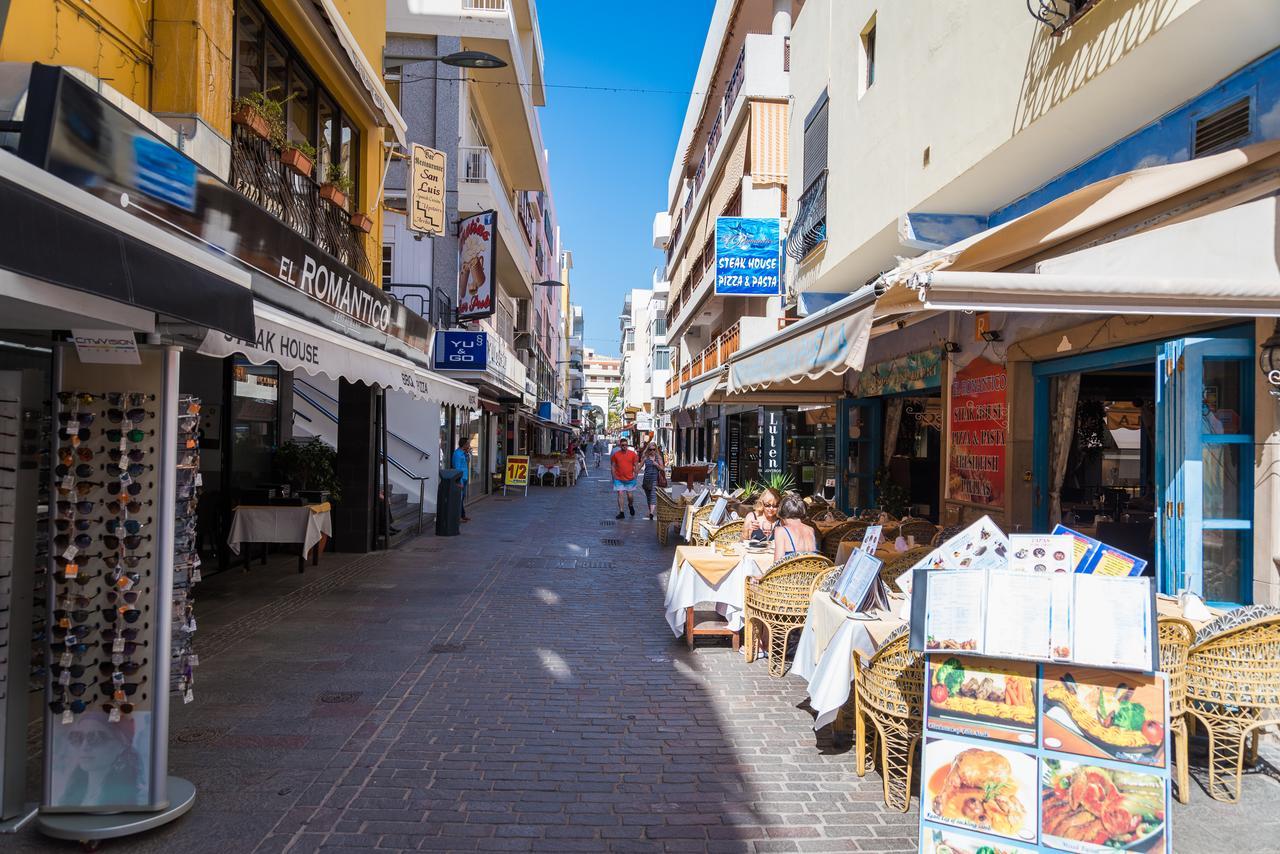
(1020, 757)
(1097, 558)
(854, 588)
(871, 538)
(1086, 619)
(1041, 553)
(982, 545)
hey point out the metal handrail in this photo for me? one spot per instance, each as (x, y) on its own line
(426, 455)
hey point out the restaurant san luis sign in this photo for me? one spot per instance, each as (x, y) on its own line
(75, 134)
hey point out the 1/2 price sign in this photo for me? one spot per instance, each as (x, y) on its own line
(517, 473)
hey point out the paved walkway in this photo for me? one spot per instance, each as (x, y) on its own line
(516, 689)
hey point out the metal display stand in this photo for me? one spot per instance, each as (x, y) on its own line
(129, 713)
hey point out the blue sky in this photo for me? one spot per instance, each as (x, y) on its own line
(610, 152)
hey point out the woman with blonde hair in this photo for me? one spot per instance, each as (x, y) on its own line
(763, 519)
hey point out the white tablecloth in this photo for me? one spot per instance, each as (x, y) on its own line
(825, 658)
(553, 471)
(686, 588)
(279, 525)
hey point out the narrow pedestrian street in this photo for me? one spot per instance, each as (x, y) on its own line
(512, 689)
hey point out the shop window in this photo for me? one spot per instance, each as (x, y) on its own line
(249, 33)
(301, 107)
(255, 422)
(388, 264)
(867, 57)
(277, 73)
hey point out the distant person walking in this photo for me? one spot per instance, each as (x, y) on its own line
(462, 462)
(623, 464)
(653, 466)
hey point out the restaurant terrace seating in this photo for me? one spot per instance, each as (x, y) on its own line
(778, 602)
(922, 529)
(669, 513)
(1176, 637)
(891, 569)
(700, 516)
(890, 692)
(1233, 689)
(829, 543)
(728, 533)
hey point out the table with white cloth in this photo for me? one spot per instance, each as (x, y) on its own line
(702, 574)
(824, 656)
(885, 553)
(310, 525)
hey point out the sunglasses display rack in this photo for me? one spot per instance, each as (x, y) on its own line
(119, 515)
(22, 419)
(186, 557)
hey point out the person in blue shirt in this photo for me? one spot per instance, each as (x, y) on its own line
(462, 462)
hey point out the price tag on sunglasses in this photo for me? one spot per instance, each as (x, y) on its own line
(113, 716)
(65, 660)
(125, 479)
(193, 660)
(71, 570)
(117, 658)
(189, 696)
(195, 576)
(68, 717)
(199, 479)
(117, 678)
(117, 646)
(64, 678)
(64, 623)
(117, 695)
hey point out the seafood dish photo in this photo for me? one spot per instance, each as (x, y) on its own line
(951, 842)
(980, 690)
(1122, 719)
(1099, 809)
(979, 790)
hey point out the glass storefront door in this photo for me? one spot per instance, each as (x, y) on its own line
(858, 429)
(255, 422)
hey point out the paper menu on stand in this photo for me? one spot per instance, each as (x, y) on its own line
(982, 545)
(1019, 610)
(871, 538)
(954, 606)
(1097, 558)
(1082, 547)
(857, 586)
(1041, 553)
(718, 511)
(1112, 619)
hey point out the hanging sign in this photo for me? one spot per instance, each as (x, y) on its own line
(426, 190)
(106, 346)
(905, 373)
(979, 422)
(458, 350)
(476, 258)
(747, 257)
(773, 457)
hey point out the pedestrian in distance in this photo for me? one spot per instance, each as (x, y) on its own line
(624, 465)
(462, 462)
(653, 466)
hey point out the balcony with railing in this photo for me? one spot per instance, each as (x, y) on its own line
(258, 175)
(430, 303)
(745, 332)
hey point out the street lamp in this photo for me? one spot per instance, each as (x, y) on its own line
(467, 59)
(550, 283)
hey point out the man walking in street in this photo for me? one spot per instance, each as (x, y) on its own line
(624, 464)
(462, 462)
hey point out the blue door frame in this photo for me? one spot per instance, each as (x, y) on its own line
(1180, 444)
(871, 440)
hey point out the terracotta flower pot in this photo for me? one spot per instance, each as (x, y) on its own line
(297, 161)
(330, 193)
(250, 118)
(362, 221)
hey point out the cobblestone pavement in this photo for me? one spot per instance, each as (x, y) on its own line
(517, 689)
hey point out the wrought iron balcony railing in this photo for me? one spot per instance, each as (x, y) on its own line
(258, 175)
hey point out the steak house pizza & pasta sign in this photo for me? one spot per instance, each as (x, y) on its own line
(979, 429)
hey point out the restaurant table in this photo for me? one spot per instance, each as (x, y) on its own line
(824, 655)
(690, 474)
(701, 574)
(310, 525)
(824, 527)
(1170, 606)
(886, 552)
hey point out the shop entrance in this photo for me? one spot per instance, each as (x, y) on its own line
(890, 452)
(1148, 448)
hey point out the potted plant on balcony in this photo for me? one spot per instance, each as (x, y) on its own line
(336, 185)
(362, 221)
(299, 156)
(260, 114)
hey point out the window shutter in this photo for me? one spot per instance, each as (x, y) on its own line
(815, 141)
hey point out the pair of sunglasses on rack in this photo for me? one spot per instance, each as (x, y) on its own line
(84, 419)
(84, 397)
(128, 689)
(132, 541)
(130, 526)
(129, 615)
(136, 435)
(82, 524)
(65, 705)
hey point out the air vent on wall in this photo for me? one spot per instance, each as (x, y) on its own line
(1224, 129)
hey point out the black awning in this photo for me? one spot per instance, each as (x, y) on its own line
(809, 228)
(47, 241)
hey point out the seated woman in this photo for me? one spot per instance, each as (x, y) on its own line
(760, 522)
(792, 535)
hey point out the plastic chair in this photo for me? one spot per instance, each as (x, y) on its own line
(779, 602)
(890, 693)
(1176, 637)
(1233, 689)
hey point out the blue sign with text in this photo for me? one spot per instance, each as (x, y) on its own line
(461, 351)
(747, 257)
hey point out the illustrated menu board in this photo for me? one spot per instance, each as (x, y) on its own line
(1097, 558)
(1021, 757)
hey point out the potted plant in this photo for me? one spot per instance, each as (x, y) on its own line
(309, 466)
(362, 221)
(336, 185)
(261, 114)
(299, 156)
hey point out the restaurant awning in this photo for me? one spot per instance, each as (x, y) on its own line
(826, 343)
(370, 79)
(698, 392)
(299, 345)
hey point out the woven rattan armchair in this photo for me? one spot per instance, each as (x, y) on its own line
(922, 529)
(669, 513)
(945, 534)
(1233, 689)
(890, 693)
(829, 543)
(777, 603)
(891, 569)
(727, 534)
(701, 515)
(1176, 637)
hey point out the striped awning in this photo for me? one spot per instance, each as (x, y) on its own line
(768, 142)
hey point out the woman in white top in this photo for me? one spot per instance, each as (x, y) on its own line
(792, 535)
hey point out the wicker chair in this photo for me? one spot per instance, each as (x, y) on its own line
(945, 534)
(890, 693)
(669, 513)
(727, 534)
(922, 529)
(779, 602)
(829, 543)
(1176, 637)
(891, 569)
(1233, 689)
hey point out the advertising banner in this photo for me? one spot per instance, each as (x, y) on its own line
(747, 252)
(477, 255)
(979, 421)
(773, 454)
(426, 190)
(517, 473)
(461, 351)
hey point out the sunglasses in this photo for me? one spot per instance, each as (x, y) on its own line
(130, 542)
(124, 580)
(130, 398)
(123, 708)
(76, 436)
(128, 668)
(71, 601)
(82, 488)
(135, 469)
(135, 455)
(82, 524)
(118, 508)
(60, 706)
(114, 561)
(75, 649)
(67, 455)
(128, 689)
(82, 507)
(78, 396)
(129, 615)
(134, 416)
(129, 597)
(82, 541)
(132, 488)
(135, 435)
(128, 648)
(80, 616)
(82, 470)
(84, 419)
(76, 670)
(127, 634)
(131, 526)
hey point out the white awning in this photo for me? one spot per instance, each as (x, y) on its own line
(698, 393)
(826, 343)
(371, 79)
(299, 345)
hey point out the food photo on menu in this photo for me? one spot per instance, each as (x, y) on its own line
(982, 698)
(1089, 808)
(939, 840)
(992, 790)
(1105, 714)
(982, 545)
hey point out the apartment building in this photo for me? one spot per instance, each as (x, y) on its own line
(646, 359)
(602, 388)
